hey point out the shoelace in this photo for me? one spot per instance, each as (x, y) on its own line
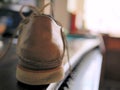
(25, 20)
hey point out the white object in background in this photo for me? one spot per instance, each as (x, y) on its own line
(72, 6)
(1, 44)
(27, 2)
(16, 7)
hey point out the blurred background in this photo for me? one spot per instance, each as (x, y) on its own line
(96, 16)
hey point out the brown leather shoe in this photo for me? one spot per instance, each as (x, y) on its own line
(40, 50)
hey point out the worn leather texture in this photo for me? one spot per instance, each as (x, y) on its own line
(40, 44)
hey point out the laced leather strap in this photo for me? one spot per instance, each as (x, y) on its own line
(35, 10)
(51, 8)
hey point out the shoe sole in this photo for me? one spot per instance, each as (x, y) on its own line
(41, 77)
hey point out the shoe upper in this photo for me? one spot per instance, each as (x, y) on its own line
(40, 43)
